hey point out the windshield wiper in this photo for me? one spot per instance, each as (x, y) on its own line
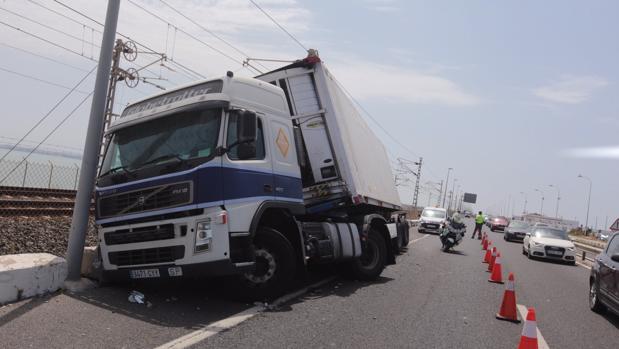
(162, 158)
(124, 169)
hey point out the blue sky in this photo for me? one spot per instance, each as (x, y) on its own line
(511, 94)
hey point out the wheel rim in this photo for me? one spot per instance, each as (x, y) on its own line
(592, 296)
(369, 259)
(265, 267)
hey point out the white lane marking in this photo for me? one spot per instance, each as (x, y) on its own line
(236, 319)
(212, 329)
(541, 342)
(421, 238)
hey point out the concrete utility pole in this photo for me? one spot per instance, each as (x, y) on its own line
(92, 146)
(438, 203)
(446, 185)
(416, 192)
(558, 198)
(588, 199)
(524, 209)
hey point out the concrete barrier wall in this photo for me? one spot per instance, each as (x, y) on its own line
(28, 275)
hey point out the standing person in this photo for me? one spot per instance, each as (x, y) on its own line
(479, 223)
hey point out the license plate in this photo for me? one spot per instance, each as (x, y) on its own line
(432, 226)
(556, 253)
(175, 271)
(144, 273)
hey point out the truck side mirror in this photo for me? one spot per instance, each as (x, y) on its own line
(246, 127)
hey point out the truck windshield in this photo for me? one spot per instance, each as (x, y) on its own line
(184, 138)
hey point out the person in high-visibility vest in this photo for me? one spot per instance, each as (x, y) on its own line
(479, 223)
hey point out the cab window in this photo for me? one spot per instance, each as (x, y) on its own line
(236, 152)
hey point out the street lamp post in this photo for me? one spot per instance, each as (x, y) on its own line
(541, 210)
(558, 198)
(524, 209)
(588, 199)
(446, 185)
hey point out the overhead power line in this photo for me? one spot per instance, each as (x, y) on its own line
(39, 80)
(49, 112)
(187, 33)
(42, 56)
(47, 41)
(46, 137)
(208, 31)
(65, 16)
(150, 50)
(48, 27)
(279, 25)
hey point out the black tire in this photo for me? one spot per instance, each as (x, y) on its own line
(529, 252)
(594, 299)
(275, 266)
(373, 260)
(406, 237)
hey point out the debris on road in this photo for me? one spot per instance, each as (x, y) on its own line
(136, 297)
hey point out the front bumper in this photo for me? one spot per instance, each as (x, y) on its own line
(430, 227)
(171, 243)
(216, 268)
(514, 235)
(553, 253)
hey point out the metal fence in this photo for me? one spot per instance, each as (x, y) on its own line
(36, 207)
(31, 174)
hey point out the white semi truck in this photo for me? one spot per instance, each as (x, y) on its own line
(255, 177)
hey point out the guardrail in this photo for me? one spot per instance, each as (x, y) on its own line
(586, 250)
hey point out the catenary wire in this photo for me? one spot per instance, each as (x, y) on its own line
(49, 112)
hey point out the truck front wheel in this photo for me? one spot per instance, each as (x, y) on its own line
(373, 260)
(275, 265)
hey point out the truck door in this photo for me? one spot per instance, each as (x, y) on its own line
(286, 172)
(248, 176)
(305, 102)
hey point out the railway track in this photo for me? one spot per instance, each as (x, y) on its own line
(17, 201)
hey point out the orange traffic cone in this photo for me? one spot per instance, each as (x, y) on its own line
(528, 339)
(508, 311)
(485, 244)
(488, 254)
(492, 259)
(483, 241)
(497, 273)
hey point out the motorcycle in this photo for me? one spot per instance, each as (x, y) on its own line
(451, 235)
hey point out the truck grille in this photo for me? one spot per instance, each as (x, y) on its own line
(128, 236)
(148, 199)
(147, 256)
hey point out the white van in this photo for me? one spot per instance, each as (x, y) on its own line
(432, 219)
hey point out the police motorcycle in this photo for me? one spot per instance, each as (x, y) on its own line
(452, 232)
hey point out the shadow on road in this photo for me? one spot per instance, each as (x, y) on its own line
(19, 309)
(339, 288)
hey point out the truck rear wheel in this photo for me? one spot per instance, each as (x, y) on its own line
(373, 260)
(275, 266)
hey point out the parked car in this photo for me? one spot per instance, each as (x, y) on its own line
(549, 243)
(498, 223)
(604, 279)
(432, 219)
(516, 230)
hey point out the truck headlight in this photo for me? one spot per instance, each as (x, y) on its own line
(204, 236)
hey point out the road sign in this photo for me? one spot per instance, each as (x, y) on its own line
(470, 198)
(615, 226)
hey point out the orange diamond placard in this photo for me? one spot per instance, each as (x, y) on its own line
(282, 142)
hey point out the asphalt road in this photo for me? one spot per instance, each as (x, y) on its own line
(430, 299)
